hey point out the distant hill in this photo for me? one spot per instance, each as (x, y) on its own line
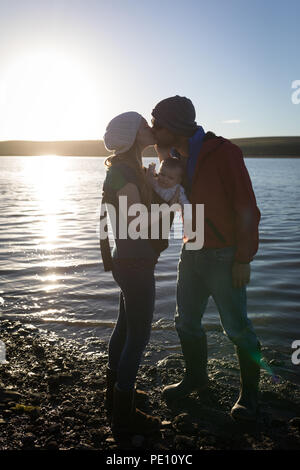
(251, 147)
(269, 146)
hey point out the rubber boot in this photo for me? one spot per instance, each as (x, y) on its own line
(127, 419)
(246, 407)
(111, 378)
(194, 351)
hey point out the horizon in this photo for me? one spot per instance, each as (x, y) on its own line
(62, 62)
(101, 140)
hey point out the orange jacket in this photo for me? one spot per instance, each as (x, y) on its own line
(221, 182)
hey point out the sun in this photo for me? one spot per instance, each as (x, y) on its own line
(52, 95)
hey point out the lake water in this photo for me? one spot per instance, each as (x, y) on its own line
(51, 271)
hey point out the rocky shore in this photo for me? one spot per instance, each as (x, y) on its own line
(58, 404)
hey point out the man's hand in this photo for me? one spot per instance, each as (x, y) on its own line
(240, 274)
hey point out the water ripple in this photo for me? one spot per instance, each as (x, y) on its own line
(51, 271)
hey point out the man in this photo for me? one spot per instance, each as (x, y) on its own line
(216, 176)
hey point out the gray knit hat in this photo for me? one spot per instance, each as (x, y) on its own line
(177, 114)
(121, 132)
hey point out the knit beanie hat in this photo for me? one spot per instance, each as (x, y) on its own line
(121, 132)
(176, 114)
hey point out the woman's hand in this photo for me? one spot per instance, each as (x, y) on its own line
(151, 173)
(151, 169)
(162, 152)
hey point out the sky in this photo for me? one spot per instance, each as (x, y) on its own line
(69, 66)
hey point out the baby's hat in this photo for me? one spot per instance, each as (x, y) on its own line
(121, 132)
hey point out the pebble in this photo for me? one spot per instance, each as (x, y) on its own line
(184, 423)
(54, 429)
(51, 445)
(175, 361)
(28, 440)
(182, 442)
(295, 422)
(72, 415)
(166, 424)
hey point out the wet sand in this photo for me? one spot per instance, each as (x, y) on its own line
(59, 406)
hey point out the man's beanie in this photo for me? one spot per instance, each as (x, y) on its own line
(121, 132)
(176, 114)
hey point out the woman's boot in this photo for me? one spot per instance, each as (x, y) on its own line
(194, 351)
(111, 378)
(246, 406)
(127, 419)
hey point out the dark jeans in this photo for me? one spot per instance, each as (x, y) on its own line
(132, 331)
(208, 272)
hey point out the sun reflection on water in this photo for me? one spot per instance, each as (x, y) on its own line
(48, 176)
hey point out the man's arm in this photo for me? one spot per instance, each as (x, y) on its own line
(238, 186)
(247, 215)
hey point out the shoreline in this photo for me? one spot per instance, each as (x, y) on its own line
(59, 406)
(252, 147)
(294, 157)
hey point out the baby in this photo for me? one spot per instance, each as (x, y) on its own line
(168, 180)
(166, 184)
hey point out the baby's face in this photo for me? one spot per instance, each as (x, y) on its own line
(168, 177)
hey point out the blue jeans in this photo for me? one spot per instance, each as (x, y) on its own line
(208, 272)
(132, 331)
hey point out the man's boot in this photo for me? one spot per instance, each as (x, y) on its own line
(111, 378)
(127, 419)
(246, 406)
(194, 351)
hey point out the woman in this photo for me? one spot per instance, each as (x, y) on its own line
(133, 264)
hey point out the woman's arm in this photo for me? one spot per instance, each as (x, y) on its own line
(131, 191)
